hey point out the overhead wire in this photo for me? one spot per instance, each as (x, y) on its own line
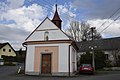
(66, 17)
(109, 18)
(110, 24)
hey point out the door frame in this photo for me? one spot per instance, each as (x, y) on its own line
(50, 53)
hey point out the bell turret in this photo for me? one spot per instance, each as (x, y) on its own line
(56, 19)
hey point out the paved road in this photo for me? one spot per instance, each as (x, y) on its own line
(9, 73)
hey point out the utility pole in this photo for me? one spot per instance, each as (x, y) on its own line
(92, 48)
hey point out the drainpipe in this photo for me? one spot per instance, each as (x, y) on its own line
(69, 61)
(25, 56)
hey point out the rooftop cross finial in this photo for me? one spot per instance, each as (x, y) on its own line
(56, 19)
(56, 5)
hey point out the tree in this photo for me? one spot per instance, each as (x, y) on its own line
(100, 59)
(81, 31)
(20, 55)
(86, 58)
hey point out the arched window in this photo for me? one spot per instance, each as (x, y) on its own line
(46, 35)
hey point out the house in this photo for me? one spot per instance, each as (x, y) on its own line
(7, 50)
(110, 46)
(50, 50)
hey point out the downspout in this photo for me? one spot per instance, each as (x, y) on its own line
(25, 56)
(69, 61)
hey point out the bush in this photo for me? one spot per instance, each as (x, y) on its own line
(9, 64)
(108, 63)
(9, 58)
(100, 59)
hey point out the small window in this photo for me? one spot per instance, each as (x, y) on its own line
(4, 50)
(106, 56)
(9, 50)
(46, 35)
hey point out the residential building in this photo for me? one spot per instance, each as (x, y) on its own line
(110, 46)
(7, 50)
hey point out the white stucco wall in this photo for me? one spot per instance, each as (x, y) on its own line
(45, 25)
(53, 35)
(63, 57)
(30, 59)
(54, 32)
(76, 60)
(72, 59)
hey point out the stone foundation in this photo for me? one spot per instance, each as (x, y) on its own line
(32, 73)
(52, 74)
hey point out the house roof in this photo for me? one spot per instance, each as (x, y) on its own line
(102, 44)
(4, 44)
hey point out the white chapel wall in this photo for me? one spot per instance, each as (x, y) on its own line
(63, 57)
(30, 59)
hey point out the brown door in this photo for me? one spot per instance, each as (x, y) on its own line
(46, 63)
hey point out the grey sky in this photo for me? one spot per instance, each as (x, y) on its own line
(13, 35)
(93, 9)
(18, 21)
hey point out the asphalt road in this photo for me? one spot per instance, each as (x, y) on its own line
(9, 73)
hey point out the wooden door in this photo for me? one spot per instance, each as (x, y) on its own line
(46, 63)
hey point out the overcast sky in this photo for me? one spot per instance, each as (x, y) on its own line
(18, 18)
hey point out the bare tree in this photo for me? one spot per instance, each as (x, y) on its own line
(81, 31)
